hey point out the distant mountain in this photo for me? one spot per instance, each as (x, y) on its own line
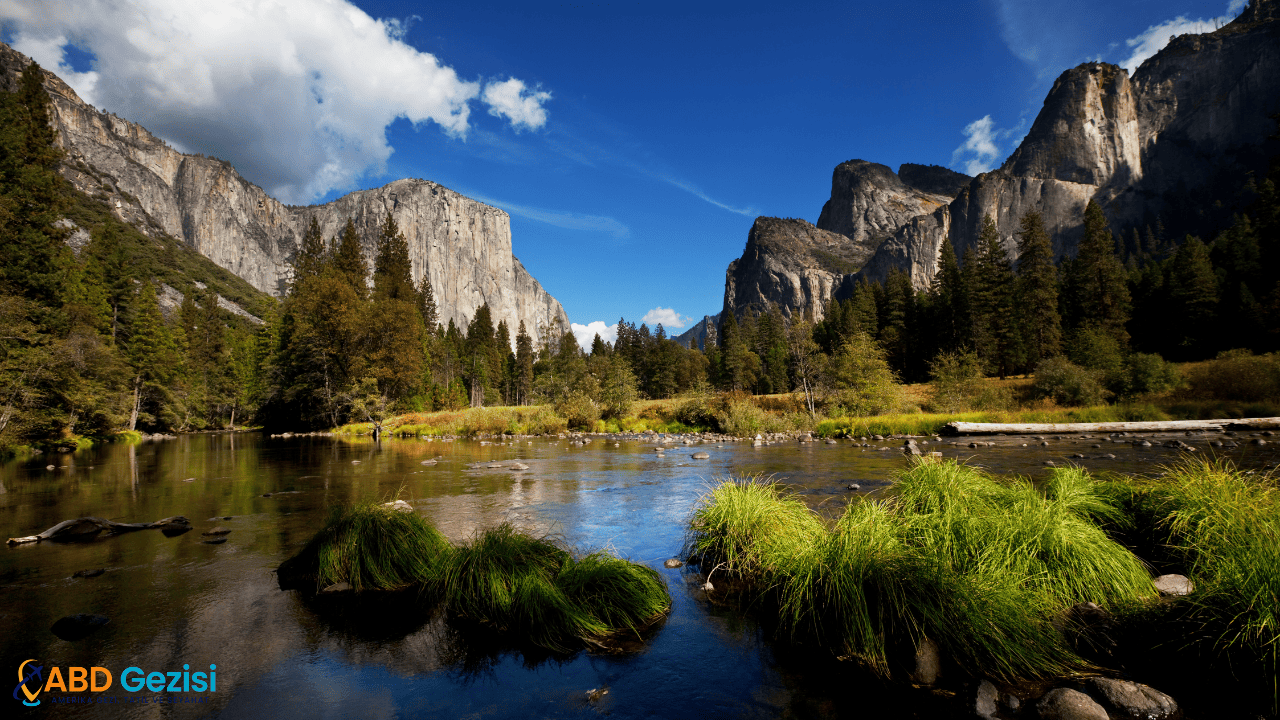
(462, 245)
(1171, 147)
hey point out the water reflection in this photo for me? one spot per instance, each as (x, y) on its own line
(176, 601)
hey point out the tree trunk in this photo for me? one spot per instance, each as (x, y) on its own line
(967, 428)
(137, 399)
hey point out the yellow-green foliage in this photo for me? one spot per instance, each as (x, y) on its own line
(129, 437)
(981, 566)
(528, 420)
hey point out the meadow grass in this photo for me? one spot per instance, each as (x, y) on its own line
(504, 577)
(982, 567)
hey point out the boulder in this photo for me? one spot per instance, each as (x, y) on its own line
(217, 531)
(672, 563)
(1174, 585)
(398, 506)
(1127, 699)
(1067, 704)
(700, 456)
(984, 705)
(926, 663)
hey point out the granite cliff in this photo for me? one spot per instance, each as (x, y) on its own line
(462, 245)
(1174, 142)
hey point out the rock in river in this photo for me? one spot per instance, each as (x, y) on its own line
(75, 627)
(1067, 704)
(700, 456)
(1126, 699)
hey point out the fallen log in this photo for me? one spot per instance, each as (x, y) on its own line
(968, 428)
(86, 528)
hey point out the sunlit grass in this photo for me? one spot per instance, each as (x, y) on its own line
(981, 566)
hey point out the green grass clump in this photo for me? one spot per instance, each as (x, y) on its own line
(1223, 526)
(983, 567)
(533, 587)
(373, 547)
(504, 578)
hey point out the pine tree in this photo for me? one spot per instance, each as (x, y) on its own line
(479, 347)
(1095, 283)
(524, 365)
(953, 323)
(1036, 293)
(392, 269)
(31, 250)
(1193, 292)
(151, 351)
(310, 258)
(991, 300)
(427, 303)
(348, 261)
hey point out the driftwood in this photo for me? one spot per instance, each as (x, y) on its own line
(967, 428)
(86, 528)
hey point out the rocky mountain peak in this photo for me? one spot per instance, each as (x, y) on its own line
(869, 201)
(791, 265)
(933, 179)
(1259, 11)
(1087, 131)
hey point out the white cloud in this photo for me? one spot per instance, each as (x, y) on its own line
(523, 107)
(979, 151)
(586, 334)
(696, 192)
(296, 93)
(1156, 37)
(668, 317)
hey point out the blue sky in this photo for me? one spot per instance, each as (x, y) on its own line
(633, 143)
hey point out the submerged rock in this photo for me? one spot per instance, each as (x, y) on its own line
(76, 627)
(672, 563)
(217, 531)
(88, 573)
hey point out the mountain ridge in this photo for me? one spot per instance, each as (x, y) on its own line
(462, 245)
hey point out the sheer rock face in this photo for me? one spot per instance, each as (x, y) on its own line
(791, 265)
(1086, 133)
(1180, 135)
(869, 202)
(462, 245)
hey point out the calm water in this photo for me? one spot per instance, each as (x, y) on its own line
(176, 601)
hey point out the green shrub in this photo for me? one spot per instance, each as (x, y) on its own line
(578, 410)
(1149, 373)
(957, 381)
(1067, 383)
(865, 384)
(1238, 375)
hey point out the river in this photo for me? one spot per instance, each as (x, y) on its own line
(178, 601)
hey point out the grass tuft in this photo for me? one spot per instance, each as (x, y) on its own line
(983, 567)
(505, 578)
